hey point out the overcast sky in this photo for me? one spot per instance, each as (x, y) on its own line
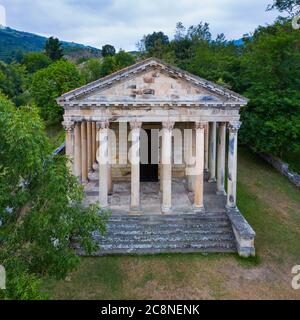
(124, 22)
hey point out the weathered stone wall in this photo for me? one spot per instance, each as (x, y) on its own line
(282, 167)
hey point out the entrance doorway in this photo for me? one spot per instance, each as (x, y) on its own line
(149, 171)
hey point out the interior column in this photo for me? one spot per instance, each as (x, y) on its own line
(77, 150)
(84, 164)
(189, 138)
(89, 146)
(167, 166)
(199, 178)
(206, 145)
(103, 162)
(221, 158)
(233, 128)
(135, 166)
(94, 143)
(109, 177)
(212, 151)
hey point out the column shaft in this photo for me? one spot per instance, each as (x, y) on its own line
(94, 142)
(199, 178)
(77, 150)
(167, 166)
(103, 162)
(135, 166)
(84, 164)
(89, 146)
(206, 146)
(212, 151)
(221, 158)
(232, 164)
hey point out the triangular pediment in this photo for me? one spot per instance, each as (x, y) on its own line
(152, 81)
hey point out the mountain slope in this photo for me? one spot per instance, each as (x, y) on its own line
(12, 42)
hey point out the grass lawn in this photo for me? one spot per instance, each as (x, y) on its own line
(270, 204)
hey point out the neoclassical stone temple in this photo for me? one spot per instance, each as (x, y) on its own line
(192, 127)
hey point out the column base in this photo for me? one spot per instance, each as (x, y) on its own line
(198, 209)
(211, 180)
(85, 181)
(228, 207)
(166, 210)
(135, 211)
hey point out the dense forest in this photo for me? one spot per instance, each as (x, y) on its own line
(40, 200)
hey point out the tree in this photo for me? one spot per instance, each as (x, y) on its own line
(123, 60)
(49, 83)
(271, 75)
(180, 32)
(91, 70)
(35, 61)
(53, 49)
(292, 7)
(14, 82)
(40, 207)
(151, 41)
(108, 50)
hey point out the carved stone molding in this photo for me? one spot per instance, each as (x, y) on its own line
(102, 124)
(168, 125)
(135, 125)
(68, 126)
(234, 127)
(200, 125)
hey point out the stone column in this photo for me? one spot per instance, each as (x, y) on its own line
(89, 146)
(206, 146)
(233, 128)
(212, 151)
(160, 168)
(94, 142)
(103, 162)
(109, 177)
(77, 150)
(221, 158)
(167, 166)
(135, 127)
(190, 140)
(69, 127)
(199, 178)
(84, 164)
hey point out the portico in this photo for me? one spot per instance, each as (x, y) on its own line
(153, 112)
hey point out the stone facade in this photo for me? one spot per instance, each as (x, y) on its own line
(108, 117)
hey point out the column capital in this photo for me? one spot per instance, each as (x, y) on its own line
(135, 125)
(169, 125)
(234, 127)
(69, 125)
(102, 124)
(200, 125)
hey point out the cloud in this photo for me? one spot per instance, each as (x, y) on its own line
(124, 22)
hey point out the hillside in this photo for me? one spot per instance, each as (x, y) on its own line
(12, 42)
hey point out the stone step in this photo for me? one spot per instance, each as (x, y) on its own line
(186, 216)
(167, 226)
(167, 232)
(180, 247)
(152, 239)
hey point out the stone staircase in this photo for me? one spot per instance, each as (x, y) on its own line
(149, 234)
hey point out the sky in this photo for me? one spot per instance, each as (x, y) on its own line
(123, 23)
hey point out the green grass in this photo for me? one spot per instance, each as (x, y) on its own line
(270, 204)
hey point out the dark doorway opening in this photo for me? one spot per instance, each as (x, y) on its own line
(149, 171)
